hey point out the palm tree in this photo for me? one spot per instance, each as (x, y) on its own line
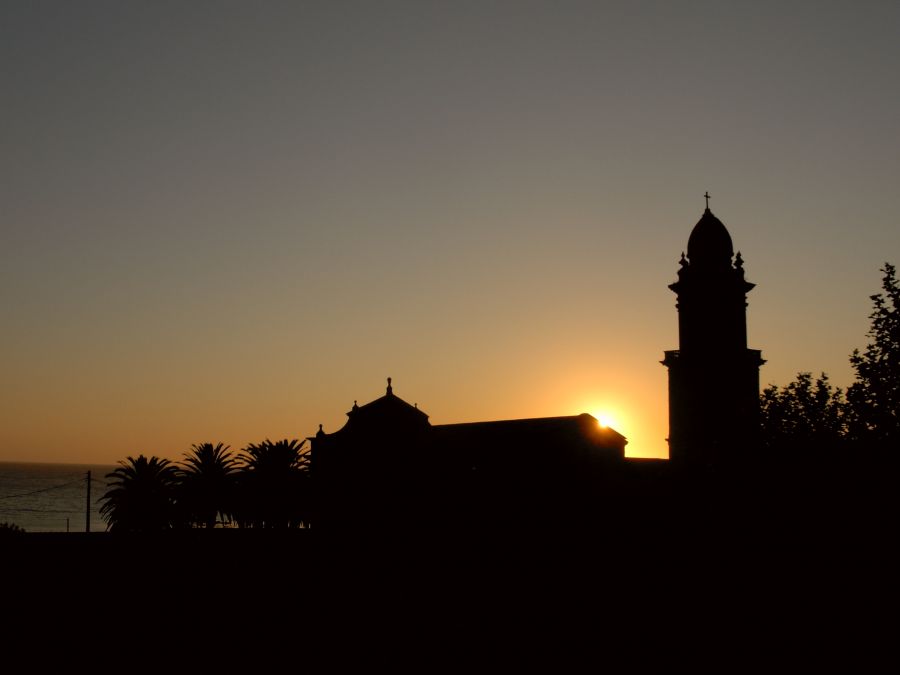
(274, 485)
(207, 484)
(140, 495)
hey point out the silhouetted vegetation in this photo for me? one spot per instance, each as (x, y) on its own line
(813, 417)
(207, 485)
(265, 486)
(875, 395)
(140, 496)
(804, 416)
(10, 531)
(273, 486)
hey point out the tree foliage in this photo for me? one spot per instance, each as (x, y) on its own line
(140, 496)
(804, 416)
(267, 486)
(9, 531)
(274, 486)
(815, 416)
(206, 491)
(875, 395)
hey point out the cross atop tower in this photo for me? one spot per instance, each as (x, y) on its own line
(706, 194)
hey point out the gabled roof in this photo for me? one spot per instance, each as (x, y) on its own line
(387, 405)
(531, 431)
(388, 412)
(391, 417)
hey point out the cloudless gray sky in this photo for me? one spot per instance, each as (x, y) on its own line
(228, 220)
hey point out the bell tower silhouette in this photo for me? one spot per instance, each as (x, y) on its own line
(713, 376)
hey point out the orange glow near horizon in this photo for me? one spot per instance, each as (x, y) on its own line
(629, 407)
(444, 213)
(605, 419)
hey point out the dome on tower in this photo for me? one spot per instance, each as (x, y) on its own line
(709, 242)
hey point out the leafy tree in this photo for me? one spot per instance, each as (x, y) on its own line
(140, 495)
(207, 488)
(875, 396)
(274, 486)
(9, 531)
(804, 416)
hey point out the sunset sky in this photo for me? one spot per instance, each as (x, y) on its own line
(225, 221)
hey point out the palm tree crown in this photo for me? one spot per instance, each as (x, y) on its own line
(275, 485)
(207, 484)
(140, 495)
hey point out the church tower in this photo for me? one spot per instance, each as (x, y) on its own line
(713, 377)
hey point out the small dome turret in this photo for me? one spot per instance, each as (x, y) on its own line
(709, 243)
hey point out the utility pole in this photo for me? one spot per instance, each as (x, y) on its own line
(87, 508)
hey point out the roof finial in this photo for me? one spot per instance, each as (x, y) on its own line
(706, 194)
(390, 389)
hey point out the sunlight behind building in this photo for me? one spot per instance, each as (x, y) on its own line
(606, 419)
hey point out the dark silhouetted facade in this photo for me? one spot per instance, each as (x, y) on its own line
(388, 464)
(713, 376)
(378, 468)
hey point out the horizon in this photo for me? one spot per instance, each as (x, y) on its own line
(227, 223)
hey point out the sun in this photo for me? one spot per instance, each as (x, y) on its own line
(605, 419)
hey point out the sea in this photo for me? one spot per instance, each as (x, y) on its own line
(52, 497)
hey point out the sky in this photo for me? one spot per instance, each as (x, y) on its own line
(226, 221)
